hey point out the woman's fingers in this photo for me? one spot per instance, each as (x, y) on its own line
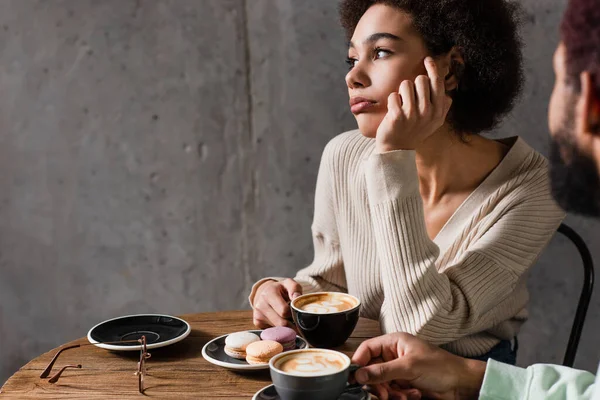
(272, 306)
(274, 318)
(394, 104)
(440, 100)
(438, 89)
(259, 320)
(277, 302)
(423, 93)
(424, 105)
(293, 288)
(409, 105)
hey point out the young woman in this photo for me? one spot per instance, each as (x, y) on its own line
(430, 224)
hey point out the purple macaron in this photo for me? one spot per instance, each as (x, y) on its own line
(281, 334)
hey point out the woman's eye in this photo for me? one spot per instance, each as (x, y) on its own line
(379, 53)
(351, 62)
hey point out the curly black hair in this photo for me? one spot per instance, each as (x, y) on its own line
(487, 33)
(580, 31)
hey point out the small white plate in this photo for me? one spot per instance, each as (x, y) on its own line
(160, 330)
(214, 352)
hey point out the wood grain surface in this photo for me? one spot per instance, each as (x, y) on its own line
(174, 372)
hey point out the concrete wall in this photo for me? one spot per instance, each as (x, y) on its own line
(160, 156)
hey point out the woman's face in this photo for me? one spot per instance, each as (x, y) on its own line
(384, 51)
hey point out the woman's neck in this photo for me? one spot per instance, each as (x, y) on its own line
(448, 165)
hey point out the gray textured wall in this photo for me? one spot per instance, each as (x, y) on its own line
(160, 156)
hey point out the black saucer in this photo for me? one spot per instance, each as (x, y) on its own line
(269, 393)
(160, 330)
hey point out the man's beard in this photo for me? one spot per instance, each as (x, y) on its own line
(576, 182)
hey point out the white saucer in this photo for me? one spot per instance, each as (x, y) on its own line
(160, 330)
(214, 352)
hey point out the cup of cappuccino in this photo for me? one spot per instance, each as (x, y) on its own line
(315, 374)
(325, 319)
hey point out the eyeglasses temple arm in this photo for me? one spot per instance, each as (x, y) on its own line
(54, 379)
(46, 372)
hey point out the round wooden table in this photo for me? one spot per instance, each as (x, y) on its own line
(174, 372)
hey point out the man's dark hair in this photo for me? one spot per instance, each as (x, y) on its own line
(580, 31)
(486, 31)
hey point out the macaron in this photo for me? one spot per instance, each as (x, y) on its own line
(281, 334)
(261, 352)
(236, 343)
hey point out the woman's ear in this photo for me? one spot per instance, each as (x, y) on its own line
(588, 109)
(587, 116)
(456, 69)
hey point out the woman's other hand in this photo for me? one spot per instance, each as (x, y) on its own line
(272, 303)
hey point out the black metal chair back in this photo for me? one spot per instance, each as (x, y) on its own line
(586, 293)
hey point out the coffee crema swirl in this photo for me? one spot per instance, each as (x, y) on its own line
(312, 363)
(326, 306)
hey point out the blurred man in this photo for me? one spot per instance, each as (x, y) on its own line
(402, 366)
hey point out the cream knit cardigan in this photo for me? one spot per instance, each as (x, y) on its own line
(466, 289)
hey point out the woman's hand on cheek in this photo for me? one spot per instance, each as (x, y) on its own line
(415, 112)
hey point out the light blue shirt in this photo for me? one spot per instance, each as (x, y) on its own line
(596, 395)
(538, 382)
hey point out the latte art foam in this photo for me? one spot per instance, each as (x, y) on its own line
(312, 363)
(326, 306)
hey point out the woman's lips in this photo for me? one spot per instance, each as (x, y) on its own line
(360, 105)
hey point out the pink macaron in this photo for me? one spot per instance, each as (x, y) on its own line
(280, 334)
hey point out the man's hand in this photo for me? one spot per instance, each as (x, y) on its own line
(399, 361)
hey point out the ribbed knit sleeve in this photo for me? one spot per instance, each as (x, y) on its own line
(470, 295)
